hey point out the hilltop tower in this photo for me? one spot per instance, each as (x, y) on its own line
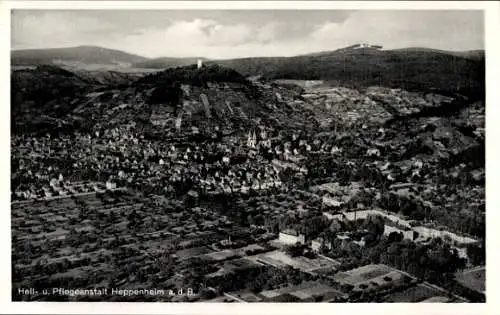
(178, 123)
(200, 63)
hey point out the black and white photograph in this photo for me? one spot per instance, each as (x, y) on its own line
(247, 155)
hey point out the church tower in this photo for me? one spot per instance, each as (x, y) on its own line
(251, 140)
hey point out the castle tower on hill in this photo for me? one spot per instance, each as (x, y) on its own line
(200, 63)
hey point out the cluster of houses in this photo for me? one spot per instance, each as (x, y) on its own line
(292, 237)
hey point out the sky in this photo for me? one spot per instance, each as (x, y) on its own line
(245, 33)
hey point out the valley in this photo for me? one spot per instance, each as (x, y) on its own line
(253, 180)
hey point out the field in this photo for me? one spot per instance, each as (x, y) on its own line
(474, 279)
(280, 259)
(437, 299)
(301, 83)
(219, 299)
(193, 252)
(242, 251)
(371, 277)
(222, 255)
(414, 294)
(98, 240)
(232, 265)
(303, 292)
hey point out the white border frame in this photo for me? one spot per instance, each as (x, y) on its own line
(492, 28)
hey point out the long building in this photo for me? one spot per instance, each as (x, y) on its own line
(424, 232)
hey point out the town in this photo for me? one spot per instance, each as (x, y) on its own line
(325, 197)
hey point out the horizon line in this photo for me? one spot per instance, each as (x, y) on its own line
(245, 57)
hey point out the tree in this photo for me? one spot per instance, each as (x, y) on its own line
(250, 219)
(313, 226)
(370, 239)
(395, 237)
(256, 287)
(207, 294)
(295, 250)
(476, 254)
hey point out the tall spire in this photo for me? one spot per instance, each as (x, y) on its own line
(249, 139)
(252, 139)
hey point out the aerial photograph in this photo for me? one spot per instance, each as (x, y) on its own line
(237, 156)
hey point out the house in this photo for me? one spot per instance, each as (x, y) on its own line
(462, 252)
(373, 152)
(53, 183)
(336, 216)
(302, 212)
(266, 143)
(335, 225)
(317, 243)
(344, 239)
(335, 150)
(110, 185)
(360, 243)
(331, 201)
(291, 237)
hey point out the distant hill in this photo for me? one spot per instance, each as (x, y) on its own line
(411, 69)
(42, 92)
(110, 78)
(471, 54)
(192, 75)
(81, 54)
(468, 54)
(50, 98)
(363, 47)
(167, 62)
(45, 83)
